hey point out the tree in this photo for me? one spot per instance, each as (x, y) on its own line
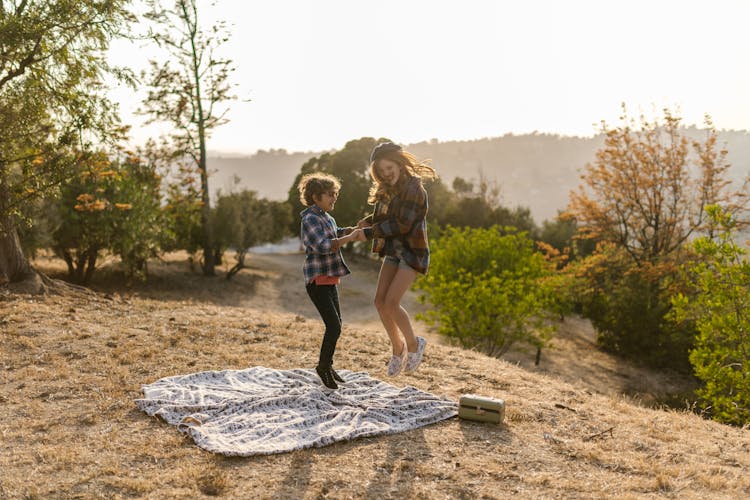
(243, 220)
(442, 201)
(561, 233)
(140, 224)
(471, 205)
(488, 288)
(647, 193)
(183, 210)
(52, 59)
(351, 166)
(85, 212)
(643, 198)
(110, 206)
(462, 187)
(189, 94)
(721, 357)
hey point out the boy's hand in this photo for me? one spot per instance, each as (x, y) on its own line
(358, 235)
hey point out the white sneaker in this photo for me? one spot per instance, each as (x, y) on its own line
(414, 358)
(397, 362)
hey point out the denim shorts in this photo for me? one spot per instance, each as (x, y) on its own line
(395, 256)
(396, 261)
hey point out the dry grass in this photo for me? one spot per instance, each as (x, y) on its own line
(72, 365)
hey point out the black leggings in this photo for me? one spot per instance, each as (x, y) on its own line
(326, 300)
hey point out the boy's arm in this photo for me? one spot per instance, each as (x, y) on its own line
(314, 236)
(354, 235)
(343, 231)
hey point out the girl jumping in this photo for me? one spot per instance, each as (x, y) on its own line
(398, 229)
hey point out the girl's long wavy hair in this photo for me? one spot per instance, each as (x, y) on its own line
(410, 167)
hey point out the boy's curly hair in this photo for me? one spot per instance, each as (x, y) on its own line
(316, 184)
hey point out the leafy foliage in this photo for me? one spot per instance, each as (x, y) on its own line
(488, 289)
(86, 216)
(351, 166)
(475, 205)
(649, 187)
(629, 306)
(139, 224)
(242, 220)
(721, 357)
(647, 195)
(112, 206)
(561, 233)
(183, 209)
(189, 93)
(52, 102)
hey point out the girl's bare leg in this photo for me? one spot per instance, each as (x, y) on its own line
(400, 283)
(387, 273)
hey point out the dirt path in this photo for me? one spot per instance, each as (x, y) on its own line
(284, 291)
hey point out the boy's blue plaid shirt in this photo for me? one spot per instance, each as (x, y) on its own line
(317, 230)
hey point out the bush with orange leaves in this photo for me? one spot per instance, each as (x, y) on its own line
(644, 198)
(109, 206)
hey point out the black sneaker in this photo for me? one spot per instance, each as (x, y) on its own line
(327, 377)
(336, 376)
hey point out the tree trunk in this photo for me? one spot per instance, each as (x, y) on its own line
(208, 240)
(240, 264)
(90, 265)
(68, 257)
(208, 243)
(15, 271)
(14, 266)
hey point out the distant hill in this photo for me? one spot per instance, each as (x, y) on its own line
(270, 173)
(536, 170)
(533, 170)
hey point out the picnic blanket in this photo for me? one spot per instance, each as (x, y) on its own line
(262, 411)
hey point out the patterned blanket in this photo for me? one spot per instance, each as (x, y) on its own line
(261, 411)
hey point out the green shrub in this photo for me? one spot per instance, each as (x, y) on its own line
(721, 357)
(487, 288)
(140, 225)
(109, 206)
(629, 304)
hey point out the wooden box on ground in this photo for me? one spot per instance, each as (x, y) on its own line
(481, 409)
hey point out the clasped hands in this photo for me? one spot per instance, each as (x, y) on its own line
(361, 225)
(357, 235)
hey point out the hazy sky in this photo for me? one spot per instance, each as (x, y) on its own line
(322, 72)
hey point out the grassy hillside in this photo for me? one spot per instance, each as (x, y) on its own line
(72, 365)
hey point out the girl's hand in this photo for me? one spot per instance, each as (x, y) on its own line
(363, 223)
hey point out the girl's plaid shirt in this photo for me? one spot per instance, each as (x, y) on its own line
(403, 218)
(317, 231)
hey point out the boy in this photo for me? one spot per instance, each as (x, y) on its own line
(324, 265)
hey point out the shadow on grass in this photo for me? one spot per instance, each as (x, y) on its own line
(172, 280)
